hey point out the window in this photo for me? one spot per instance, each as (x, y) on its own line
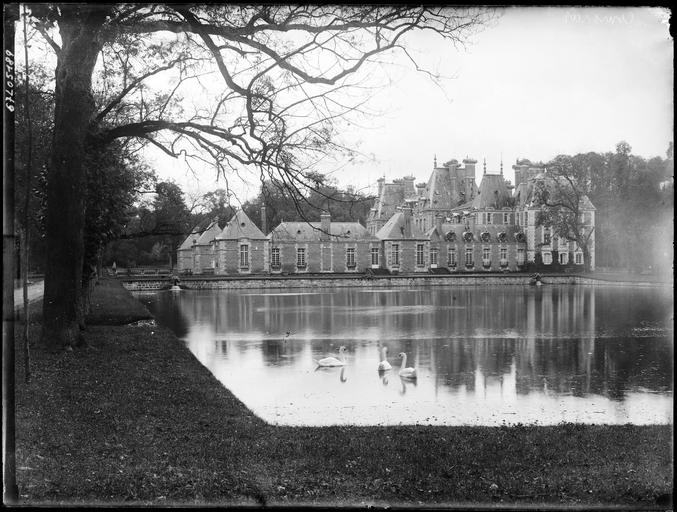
(433, 257)
(489, 218)
(301, 257)
(563, 258)
(395, 254)
(244, 256)
(547, 258)
(579, 258)
(275, 257)
(504, 253)
(486, 254)
(451, 257)
(420, 260)
(350, 257)
(520, 256)
(505, 218)
(546, 236)
(374, 256)
(468, 257)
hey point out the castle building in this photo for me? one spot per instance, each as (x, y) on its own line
(197, 252)
(241, 247)
(542, 244)
(404, 247)
(184, 254)
(445, 225)
(325, 246)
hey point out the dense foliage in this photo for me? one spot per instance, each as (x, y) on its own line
(634, 201)
(156, 229)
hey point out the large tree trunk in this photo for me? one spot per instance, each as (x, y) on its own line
(74, 109)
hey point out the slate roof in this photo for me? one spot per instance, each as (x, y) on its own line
(394, 229)
(523, 194)
(392, 196)
(464, 207)
(311, 232)
(188, 242)
(240, 226)
(209, 234)
(493, 193)
(442, 192)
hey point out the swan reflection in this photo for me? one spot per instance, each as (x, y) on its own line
(406, 382)
(332, 369)
(547, 354)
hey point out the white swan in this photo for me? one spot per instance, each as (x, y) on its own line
(406, 373)
(384, 364)
(332, 361)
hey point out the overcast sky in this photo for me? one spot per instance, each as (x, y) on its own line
(536, 83)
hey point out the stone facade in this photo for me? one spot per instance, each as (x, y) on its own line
(447, 225)
(197, 253)
(492, 227)
(241, 247)
(320, 247)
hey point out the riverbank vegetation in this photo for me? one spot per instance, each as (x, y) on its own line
(134, 418)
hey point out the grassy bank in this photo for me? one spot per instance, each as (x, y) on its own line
(136, 419)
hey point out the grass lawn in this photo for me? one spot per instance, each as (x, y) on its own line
(136, 419)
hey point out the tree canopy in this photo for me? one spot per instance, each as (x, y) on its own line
(125, 71)
(634, 202)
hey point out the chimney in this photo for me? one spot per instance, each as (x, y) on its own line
(325, 224)
(407, 222)
(520, 173)
(264, 221)
(409, 188)
(420, 189)
(452, 165)
(469, 167)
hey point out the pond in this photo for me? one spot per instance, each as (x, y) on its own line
(483, 355)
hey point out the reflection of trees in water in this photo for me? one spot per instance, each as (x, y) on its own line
(167, 308)
(281, 351)
(570, 339)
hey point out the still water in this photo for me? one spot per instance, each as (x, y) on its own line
(484, 355)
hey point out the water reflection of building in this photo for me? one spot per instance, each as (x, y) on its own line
(519, 340)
